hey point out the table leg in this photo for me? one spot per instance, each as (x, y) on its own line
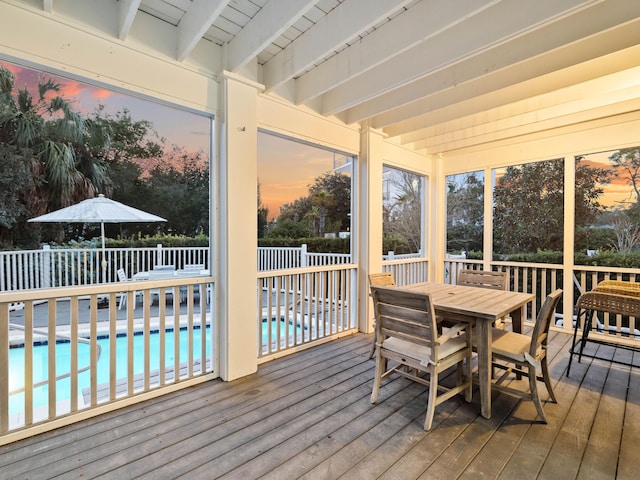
(484, 340)
(516, 319)
(516, 324)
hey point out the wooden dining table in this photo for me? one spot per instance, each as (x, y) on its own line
(480, 307)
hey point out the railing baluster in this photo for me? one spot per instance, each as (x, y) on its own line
(28, 362)
(51, 374)
(4, 367)
(73, 367)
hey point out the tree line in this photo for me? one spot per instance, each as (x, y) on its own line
(528, 208)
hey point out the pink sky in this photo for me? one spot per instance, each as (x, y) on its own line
(175, 125)
(286, 168)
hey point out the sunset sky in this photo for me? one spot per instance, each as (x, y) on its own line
(286, 168)
(177, 126)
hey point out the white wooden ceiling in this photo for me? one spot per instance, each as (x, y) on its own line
(438, 75)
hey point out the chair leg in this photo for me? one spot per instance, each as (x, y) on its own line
(378, 375)
(431, 406)
(547, 379)
(469, 392)
(373, 345)
(534, 393)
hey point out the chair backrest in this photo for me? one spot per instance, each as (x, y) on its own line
(121, 275)
(619, 287)
(405, 315)
(543, 321)
(483, 279)
(384, 279)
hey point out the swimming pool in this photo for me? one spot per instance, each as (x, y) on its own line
(63, 360)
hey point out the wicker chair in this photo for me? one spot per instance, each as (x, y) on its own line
(624, 307)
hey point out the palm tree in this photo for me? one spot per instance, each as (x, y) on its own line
(64, 151)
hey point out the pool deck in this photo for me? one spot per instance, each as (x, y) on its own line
(103, 316)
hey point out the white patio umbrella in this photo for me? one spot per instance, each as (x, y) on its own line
(98, 210)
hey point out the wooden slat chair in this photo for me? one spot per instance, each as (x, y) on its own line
(407, 338)
(383, 279)
(483, 279)
(527, 354)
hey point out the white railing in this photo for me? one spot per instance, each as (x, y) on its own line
(281, 258)
(537, 278)
(304, 306)
(159, 341)
(407, 270)
(33, 269)
(542, 278)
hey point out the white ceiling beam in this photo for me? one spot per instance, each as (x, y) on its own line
(47, 6)
(126, 14)
(477, 136)
(267, 25)
(546, 72)
(599, 33)
(416, 25)
(497, 25)
(339, 26)
(587, 96)
(195, 22)
(448, 105)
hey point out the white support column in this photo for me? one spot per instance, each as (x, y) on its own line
(237, 260)
(568, 246)
(436, 233)
(369, 214)
(487, 235)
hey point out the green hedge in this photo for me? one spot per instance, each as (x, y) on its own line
(605, 258)
(314, 244)
(140, 242)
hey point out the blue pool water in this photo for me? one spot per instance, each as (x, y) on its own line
(63, 361)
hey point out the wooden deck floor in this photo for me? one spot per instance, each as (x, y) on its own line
(308, 416)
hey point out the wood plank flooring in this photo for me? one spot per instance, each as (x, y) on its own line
(309, 416)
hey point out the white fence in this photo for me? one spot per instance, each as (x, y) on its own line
(34, 269)
(281, 258)
(64, 352)
(407, 269)
(304, 306)
(542, 278)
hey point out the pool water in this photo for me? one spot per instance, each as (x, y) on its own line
(63, 361)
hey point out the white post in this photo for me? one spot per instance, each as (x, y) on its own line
(303, 255)
(159, 260)
(368, 220)
(238, 177)
(45, 272)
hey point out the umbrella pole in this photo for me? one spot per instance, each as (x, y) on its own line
(104, 254)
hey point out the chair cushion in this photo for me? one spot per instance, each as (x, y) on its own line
(422, 353)
(510, 345)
